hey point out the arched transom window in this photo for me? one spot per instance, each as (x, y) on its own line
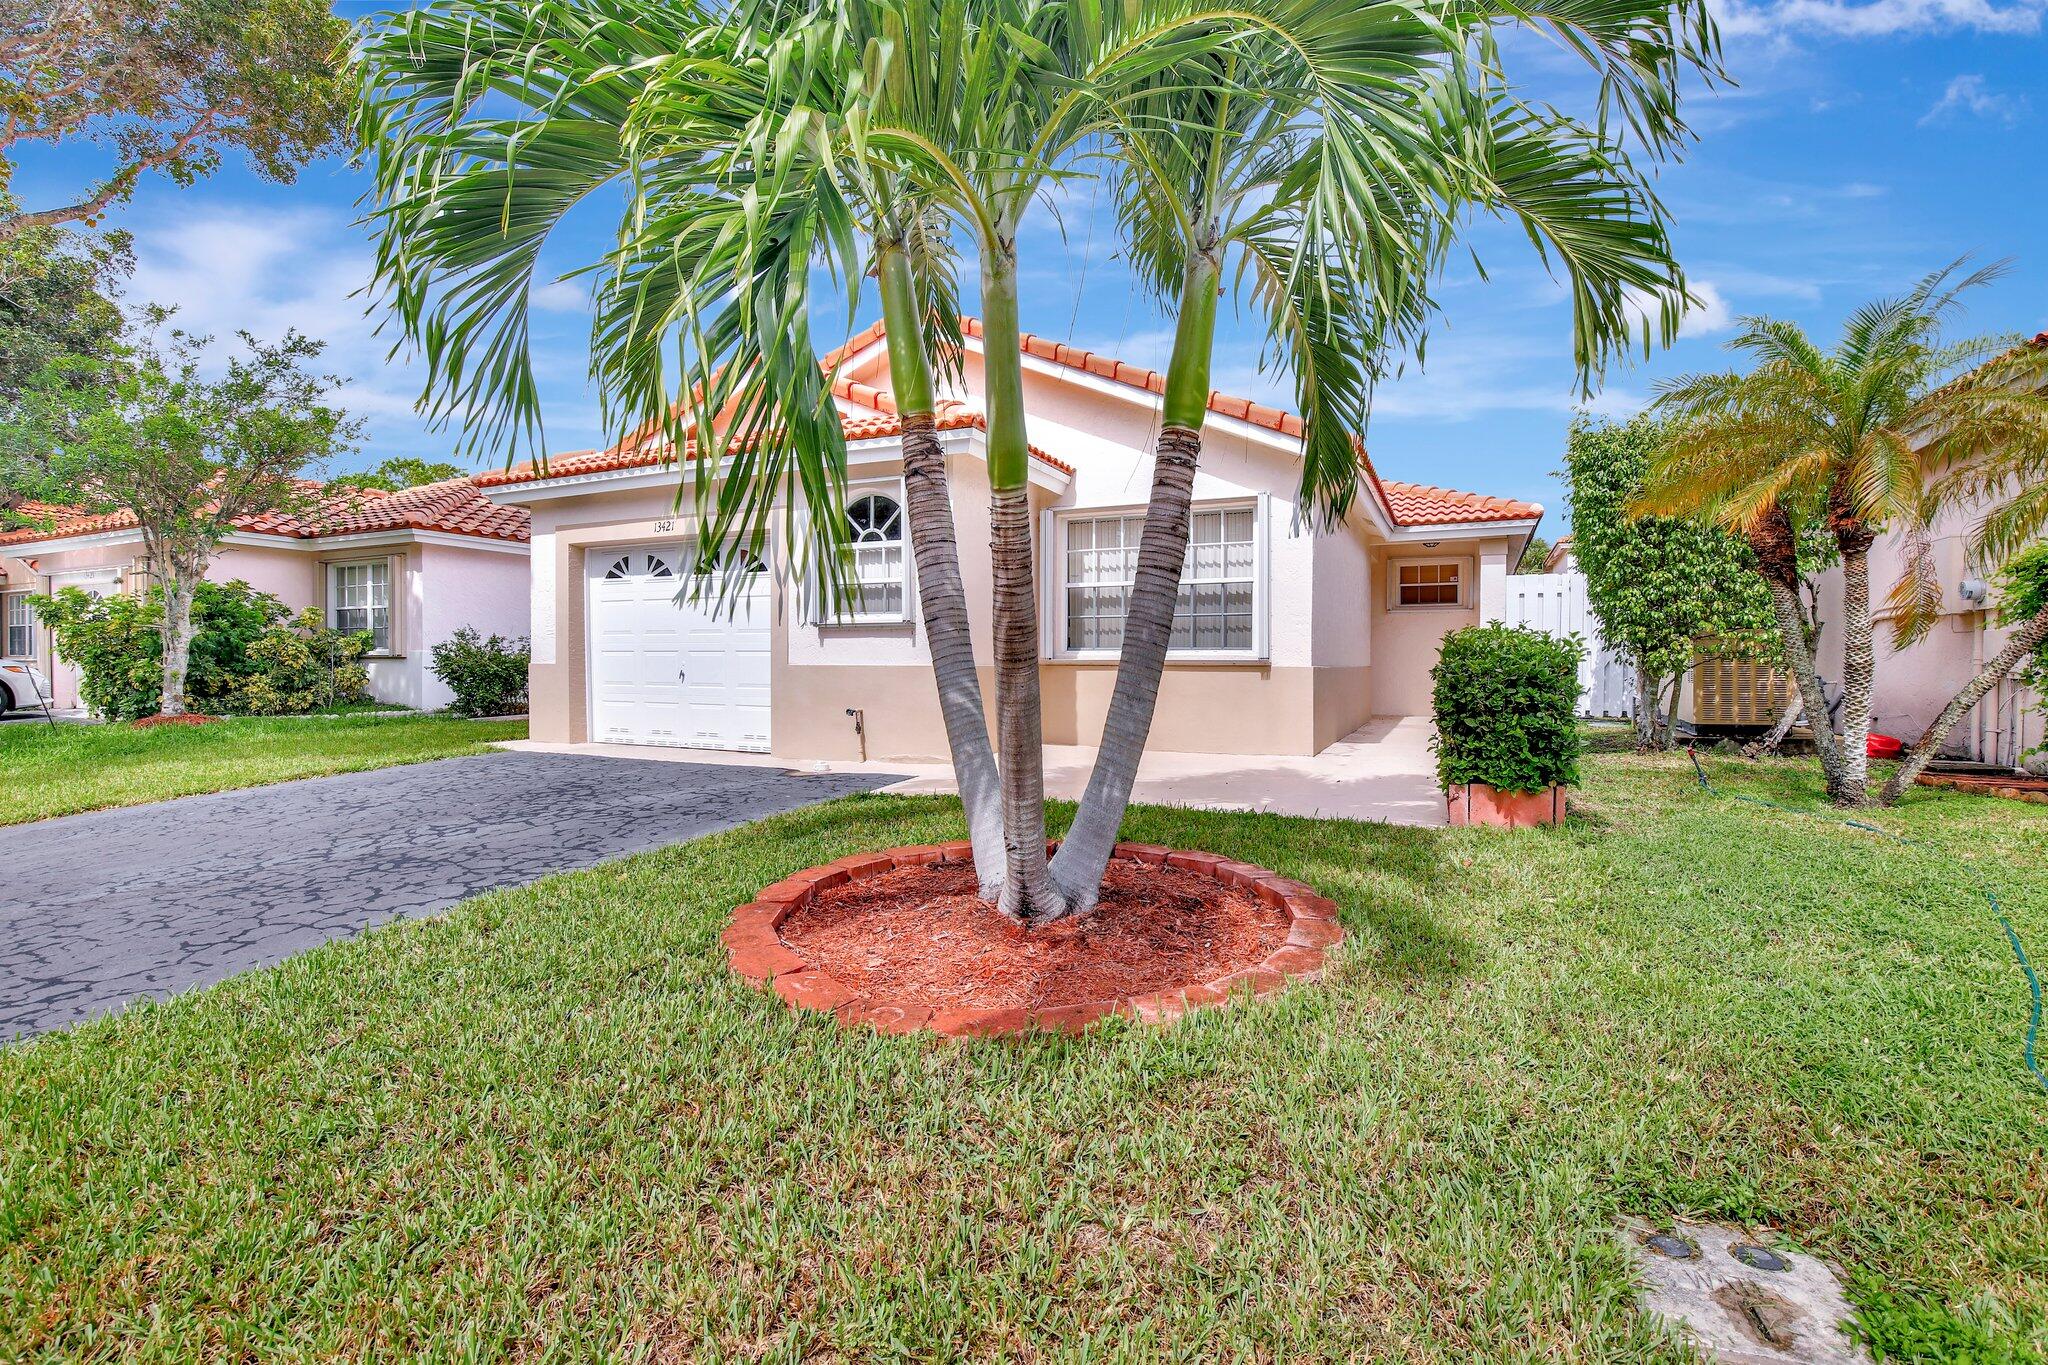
(874, 523)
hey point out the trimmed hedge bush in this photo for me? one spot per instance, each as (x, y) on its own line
(1506, 707)
(488, 677)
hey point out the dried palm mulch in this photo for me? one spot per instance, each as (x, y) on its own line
(922, 935)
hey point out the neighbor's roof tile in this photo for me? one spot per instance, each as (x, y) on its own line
(455, 506)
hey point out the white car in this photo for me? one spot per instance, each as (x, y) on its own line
(22, 686)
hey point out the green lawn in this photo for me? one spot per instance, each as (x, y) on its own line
(71, 768)
(550, 1126)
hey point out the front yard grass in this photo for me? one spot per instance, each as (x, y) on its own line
(72, 768)
(550, 1125)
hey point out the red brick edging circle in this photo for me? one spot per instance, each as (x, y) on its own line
(754, 945)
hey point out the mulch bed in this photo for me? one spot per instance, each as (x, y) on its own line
(189, 718)
(2013, 787)
(900, 941)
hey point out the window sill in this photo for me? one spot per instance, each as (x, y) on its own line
(1434, 606)
(1173, 660)
(886, 623)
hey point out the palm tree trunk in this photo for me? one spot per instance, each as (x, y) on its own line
(1148, 630)
(2028, 638)
(1155, 592)
(1792, 631)
(1789, 717)
(941, 593)
(1028, 893)
(1859, 671)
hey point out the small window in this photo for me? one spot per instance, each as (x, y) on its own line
(657, 567)
(876, 559)
(1428, 583)
(359, 601)
(21, 621)
(1218, 581)
(621, 568)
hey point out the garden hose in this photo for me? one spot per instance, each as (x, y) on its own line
(1990, 896)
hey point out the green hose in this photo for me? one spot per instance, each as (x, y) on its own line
(2012, 937)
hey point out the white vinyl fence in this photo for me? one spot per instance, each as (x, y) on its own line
(1555, 603)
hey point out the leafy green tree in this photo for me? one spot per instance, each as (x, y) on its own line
(1534, 555)
(186, 455)
(400, 471)
(56, 300)
(1857, 433)
(1665, 588)
(168, 86)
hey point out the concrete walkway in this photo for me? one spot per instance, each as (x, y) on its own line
(1383, 771)
(99, 909)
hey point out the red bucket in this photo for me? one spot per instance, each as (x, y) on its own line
(1884, 746)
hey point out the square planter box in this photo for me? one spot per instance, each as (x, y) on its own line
(1479, 803)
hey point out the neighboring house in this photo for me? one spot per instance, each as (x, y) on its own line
(1290, 639)
(1915, 682)
(410, 567)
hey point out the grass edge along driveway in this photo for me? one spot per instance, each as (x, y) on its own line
(550, 1124)
(46, 772)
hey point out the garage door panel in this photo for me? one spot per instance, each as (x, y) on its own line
(668, 671)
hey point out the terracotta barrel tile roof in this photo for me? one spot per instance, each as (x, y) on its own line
(454, 506)
(1407, 504)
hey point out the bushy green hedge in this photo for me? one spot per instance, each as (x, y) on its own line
(248, 656)
(1506, 709)
(487, 676)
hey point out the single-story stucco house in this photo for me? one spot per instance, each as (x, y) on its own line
(411, 567)
(1291, 638)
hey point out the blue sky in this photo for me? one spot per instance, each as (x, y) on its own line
(1865, 144)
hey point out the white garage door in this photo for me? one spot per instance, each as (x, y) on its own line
(669, 672)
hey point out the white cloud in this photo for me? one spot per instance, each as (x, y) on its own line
(1879, 18)
(229, 268)
(1970, 95)
(560, 296)
(1706, 312)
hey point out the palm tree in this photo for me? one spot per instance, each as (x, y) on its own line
(1251, 176)
(1989, 450)
(467, 193)
(1841, 431)
(750, 149)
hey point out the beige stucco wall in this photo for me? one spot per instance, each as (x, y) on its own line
(1333, 658)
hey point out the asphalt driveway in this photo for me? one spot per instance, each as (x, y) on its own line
(100, 909)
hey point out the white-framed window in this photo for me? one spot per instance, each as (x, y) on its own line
(359, 599)
(1427, 583)
(1221, 592)
(21, 627)
(877, 558)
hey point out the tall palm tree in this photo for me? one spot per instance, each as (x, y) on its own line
(490, 121)
(1842, 431)
(1989, 450)
(1248, 174)
(751, 146)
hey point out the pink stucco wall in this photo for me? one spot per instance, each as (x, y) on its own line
(1915, 681)
(443, 587)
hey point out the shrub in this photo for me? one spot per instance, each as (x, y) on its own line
(301, 666)
(113, 643)
(1506, 708)
(246, 653)
(487, 676)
